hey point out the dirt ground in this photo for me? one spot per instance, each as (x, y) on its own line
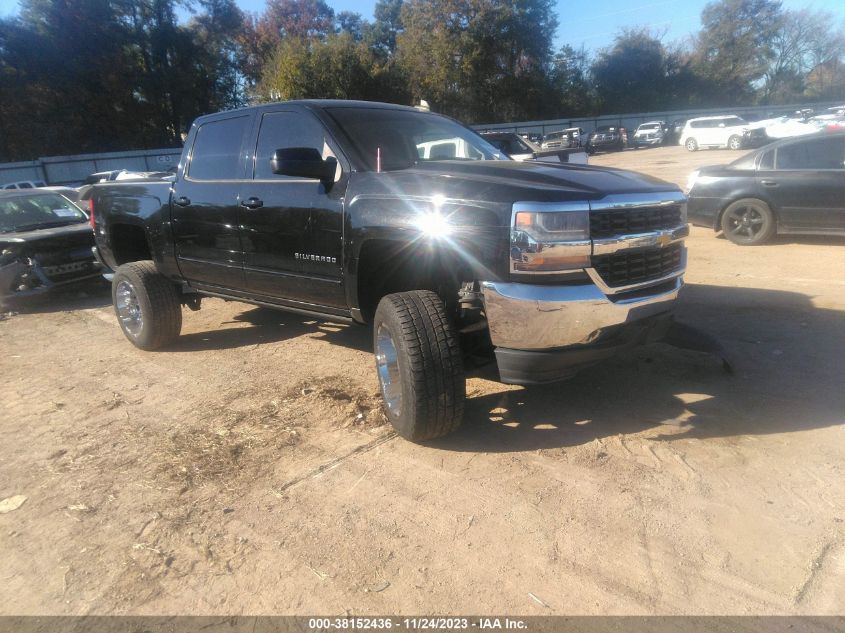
(247, 470)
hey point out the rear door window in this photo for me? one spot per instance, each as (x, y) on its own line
(822, 153)
(216, 154)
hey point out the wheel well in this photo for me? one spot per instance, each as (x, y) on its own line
(129, 243)
(388, 266)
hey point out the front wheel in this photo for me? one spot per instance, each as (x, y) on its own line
(419, 364)
(692, 144)
(735, 142)
(748, 222)
(147, 305)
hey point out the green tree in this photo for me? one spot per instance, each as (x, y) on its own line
(735, 46)
(337, 67)
(93, 75)
(571, 81)
(631, 75)
(480, 60)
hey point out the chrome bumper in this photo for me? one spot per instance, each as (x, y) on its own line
(538, 317)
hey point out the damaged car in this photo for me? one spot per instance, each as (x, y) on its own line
(45, 242)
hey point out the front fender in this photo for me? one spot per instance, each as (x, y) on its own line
(462, 235)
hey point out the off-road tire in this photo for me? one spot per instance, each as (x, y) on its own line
(157, 301)
(691, 145)
(430, 365)
(735, 142)
(757, 233)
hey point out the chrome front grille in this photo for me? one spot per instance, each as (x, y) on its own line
(611, 222)
(637, 240)
(625, 268)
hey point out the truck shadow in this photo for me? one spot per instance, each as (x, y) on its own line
(786, 355)
(265, 325)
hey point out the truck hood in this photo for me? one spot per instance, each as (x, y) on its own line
(510, 181)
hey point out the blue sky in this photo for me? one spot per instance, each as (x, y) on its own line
(592, 23)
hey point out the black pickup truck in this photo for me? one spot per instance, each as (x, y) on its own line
(405, 220)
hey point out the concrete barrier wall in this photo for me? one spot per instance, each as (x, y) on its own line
(72, 170)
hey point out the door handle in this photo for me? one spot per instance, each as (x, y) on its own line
(768, 183)
(182, 201)
(252, 203)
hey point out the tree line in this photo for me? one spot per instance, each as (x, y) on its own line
(82, 76)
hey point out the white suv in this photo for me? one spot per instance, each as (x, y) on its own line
(713, 131)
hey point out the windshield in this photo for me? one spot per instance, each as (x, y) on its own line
(649, 127)
(391, 140)
(29, 212)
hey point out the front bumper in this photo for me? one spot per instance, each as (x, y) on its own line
(547, 333)
(704, 211)
(647, 142)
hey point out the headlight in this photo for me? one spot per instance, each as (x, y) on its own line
(550, 237)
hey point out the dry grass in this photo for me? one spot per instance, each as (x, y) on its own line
(237, 437)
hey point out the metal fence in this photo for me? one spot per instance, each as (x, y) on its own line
(72, 170)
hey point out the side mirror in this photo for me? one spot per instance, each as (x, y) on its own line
(304, 162)
(721, 125)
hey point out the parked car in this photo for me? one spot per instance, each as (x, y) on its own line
(673, 134)
(519, 148)
(830, 114)
(46, 241)
(24, 184)
(606, 137)
(768, 130)
(335, 211)
(534, 137)
(650, 134)
(713, 131)
(791, 186)
(570, 137)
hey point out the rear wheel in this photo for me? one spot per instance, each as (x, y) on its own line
(147, 305)
(692, 144)
(735, 142)
(419, 364)
(748, 222)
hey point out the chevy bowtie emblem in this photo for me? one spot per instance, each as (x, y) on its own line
(663, 240)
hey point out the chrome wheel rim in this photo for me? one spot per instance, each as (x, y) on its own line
(128, 308)
(387, 364)
(745, 222)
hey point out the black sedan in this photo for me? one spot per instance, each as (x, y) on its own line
(793, 186)
(45, 241)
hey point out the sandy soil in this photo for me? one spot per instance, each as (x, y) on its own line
(247, 470)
